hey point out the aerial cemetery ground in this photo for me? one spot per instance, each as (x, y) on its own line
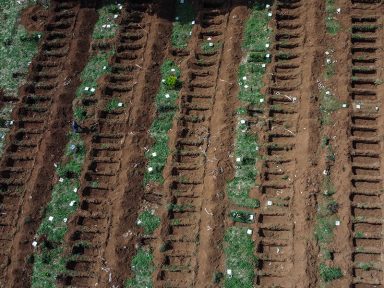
(191, 143)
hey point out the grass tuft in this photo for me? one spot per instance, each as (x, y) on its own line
(142, 267)
(239, 249)
(149, 221)
(49, 262)
(329, 274)
(182, 28)
(166, 109)
(332, 24)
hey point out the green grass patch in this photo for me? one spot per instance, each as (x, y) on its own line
(239, 248)
(182, 26)
(149, 221)
(208, 46)
(329, 274)
(257, 31)
(48, 260)
(166, 108)
(255, 45)
(241, 259)
(17, 48)
(328, 105)
(113, 105)
(96, 67)
(331, 23)
(106, 26)
(142, 267)
(326, 219)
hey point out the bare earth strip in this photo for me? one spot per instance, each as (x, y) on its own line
(111, 182)
(289, 139)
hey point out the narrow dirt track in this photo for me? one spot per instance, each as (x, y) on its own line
(38, 136)
(219, 166)
(288, 137)
(366, 144)
(186, 187)
(111, 184)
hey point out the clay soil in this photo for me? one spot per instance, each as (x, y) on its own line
(201, 142)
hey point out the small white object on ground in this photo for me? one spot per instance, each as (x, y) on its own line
(75, 190)
(337, 223)
(263, 65)
(120, 104)
(209, 39)
(150, 169)
(244, 77)
(261, 100)
(328, 92)
(242, 121)
(167, 96)
(338, 10)
(72, 203)
(270, 14)
(173, 70)
(249, 231)
(251, 217)
(344, 105)
(154, 154)
(210, 44)
(267, 45)
(50, 218)
(267, 6)
(358, 106)
(246, 86)
(93, 89)
(115, 16)
(238, 159)
(193, 22)
(86, 88)
(269, 203)
(34, 243)
(61, 180)
(65, 220)
(229, 272)
(268, 55)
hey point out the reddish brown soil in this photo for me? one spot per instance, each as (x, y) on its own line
(194, 173)
(38, 137)
(358, 173)
(219, 167)
(34, 18)
(288, 141)
(108, 211)
(201, 141)
(120, 248)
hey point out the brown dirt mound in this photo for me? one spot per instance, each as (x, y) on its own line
(34, 18)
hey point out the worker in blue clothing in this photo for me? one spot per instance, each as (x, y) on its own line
(76, 127)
